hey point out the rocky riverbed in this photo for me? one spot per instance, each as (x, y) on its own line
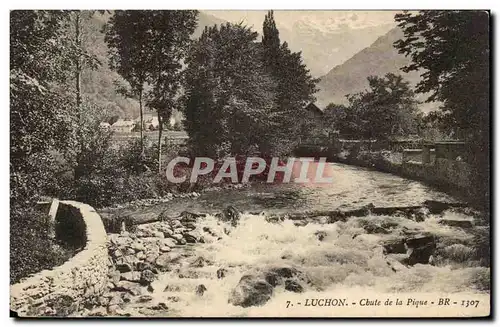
(244, 264)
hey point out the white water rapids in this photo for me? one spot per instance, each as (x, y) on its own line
(348, 263)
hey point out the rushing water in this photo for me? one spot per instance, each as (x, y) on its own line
(352, 187)
(347, 263)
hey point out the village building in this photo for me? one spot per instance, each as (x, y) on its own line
(313, 121)
(105, 125)
(123, 125)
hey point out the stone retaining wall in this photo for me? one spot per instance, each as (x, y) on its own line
(62, 290)
(443, 172)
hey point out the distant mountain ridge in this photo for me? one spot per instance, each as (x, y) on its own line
(378, 59)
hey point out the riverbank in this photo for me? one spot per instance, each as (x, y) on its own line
(450, 177)
(241, 264)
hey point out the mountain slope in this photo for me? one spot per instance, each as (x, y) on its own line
(98, 86)
(322, 50)
(378, 59)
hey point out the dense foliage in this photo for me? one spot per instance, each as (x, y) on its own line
(243, 96)
(452, 48)
(387, 109)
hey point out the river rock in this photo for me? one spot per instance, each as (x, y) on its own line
(420, 254)
(188, 217)
(198, 262)
(113, 309)
(131, 276)
(145, 298)
(129, 251)
(127, 286)
(103, 301)
(140, 255)
(461, 223)
(372, 228)
(293, 286)
(251, 291)
(177, 237)
(163, 260)
(115, 300)
(394, 246)
(190, 226)
(167, 232)
(231, 215)
(168, 242)
(138, 247)
(190, 238)
(117, 254)
(123, 266)
(420, 240)
(119, 241)
(175, 223)
(159, 306)
(200, 290)
(320, 235)
(165, 248)
(127, 298)
(221, 273)
(147, 277)
(151, 257)
(143, 266)
(180, 230)
(114, 276)
(276, 276)
(158, 234)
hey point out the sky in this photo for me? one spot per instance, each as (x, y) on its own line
(325, 20)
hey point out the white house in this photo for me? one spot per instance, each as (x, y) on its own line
(123, 125)
(104, 125)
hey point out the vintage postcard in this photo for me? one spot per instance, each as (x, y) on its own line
(272, 163)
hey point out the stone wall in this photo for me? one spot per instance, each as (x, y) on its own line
(443, 172)
(62, 290)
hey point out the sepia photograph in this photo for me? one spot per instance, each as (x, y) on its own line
(250, 163)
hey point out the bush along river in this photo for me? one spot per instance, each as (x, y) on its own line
(255, 251)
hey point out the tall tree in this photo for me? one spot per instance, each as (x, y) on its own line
(40, 105)
(128, 35)
(228, 95)
(452, 49)
(295, 87)
(169, 43)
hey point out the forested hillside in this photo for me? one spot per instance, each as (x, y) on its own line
(99, 86)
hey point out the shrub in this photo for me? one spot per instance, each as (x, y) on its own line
(31, 250)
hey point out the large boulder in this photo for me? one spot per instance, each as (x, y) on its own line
(394, 246)
(251, 291)
(170, 242)
(461, 223)
(231, 215)
(420, 248)
(131, 276)
(147, 277)
(190, 237)
(293, 286)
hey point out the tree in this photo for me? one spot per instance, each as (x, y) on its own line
(228, 95)
(388, 108)
(295, 87)
(452, 50)
(40, 106)
(128, 35)
(169, 43)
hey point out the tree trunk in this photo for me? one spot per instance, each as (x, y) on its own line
(160, 132)
(142, 122)
(78, 70)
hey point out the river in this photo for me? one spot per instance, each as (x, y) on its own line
(347, 262)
